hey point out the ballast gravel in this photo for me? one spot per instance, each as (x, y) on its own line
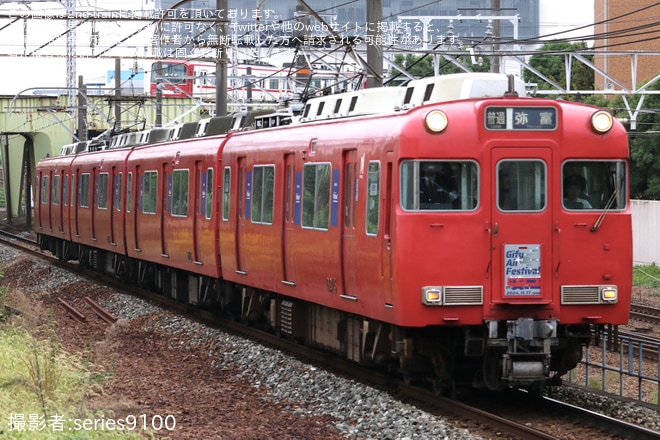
(357, 411)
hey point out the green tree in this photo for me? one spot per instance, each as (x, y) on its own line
(553, 66)
(645, 148)
(644, 142)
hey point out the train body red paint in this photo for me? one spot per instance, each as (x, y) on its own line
(439, 237)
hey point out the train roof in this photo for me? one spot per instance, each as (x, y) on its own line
(418, 92)
(372, 101)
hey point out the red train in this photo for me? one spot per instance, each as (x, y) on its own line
(425, 228)
(183, 78)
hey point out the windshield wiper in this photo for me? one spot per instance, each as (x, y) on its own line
(608, 205)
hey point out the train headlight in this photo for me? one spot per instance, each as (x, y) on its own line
(432, 295)
(436, 121)
(609, 294)
(602, 121)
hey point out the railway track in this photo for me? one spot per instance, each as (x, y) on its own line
(645, 314)
(427, 399)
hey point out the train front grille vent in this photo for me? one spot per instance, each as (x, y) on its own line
(580, 295)
(463, 295)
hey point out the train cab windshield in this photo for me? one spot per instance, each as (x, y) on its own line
(171, 72)
(521, 185)
(590, 185)
(594, 185)
(439, 185)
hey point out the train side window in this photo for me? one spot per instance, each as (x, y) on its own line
(432, 185)
(73, 189)
(289, 195)
(226, 186)
(180, 185)
(84, 191)
(373, 198)
(129, 192)
(149, 192)
(263, 186)
(316, 196)
(594, 184)
(208, 194)
(102, 190)
(119, 179)
(65, 190)
(521, 185)
(55, 193)
(44, 189)
(350, 194)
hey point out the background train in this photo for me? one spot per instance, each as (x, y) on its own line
(183, 78)
(425, 228)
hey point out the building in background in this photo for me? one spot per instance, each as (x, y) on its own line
(626, 26)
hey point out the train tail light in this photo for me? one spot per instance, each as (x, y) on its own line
(436, 121)
(602, 121)
(432, 295)
(609, 294)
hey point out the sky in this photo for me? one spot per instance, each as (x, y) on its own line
(34, 48)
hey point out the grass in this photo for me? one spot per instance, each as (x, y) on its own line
(44, 390)
(647, 276)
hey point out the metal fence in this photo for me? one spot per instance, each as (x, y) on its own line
(629, 368)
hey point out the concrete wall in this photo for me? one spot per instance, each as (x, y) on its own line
(646, 231)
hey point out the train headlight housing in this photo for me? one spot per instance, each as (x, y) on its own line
(602, 121)
(609, 294)
(436, 121)
(432, 295)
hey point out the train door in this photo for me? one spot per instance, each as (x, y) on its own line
(134, 189)
(74, 203)
(291, 206)
(166, 208)
(199, 192)
(46, 199)
(387, 233)
(115, 205)
(522, 226)
(63, 194)
(104, 200)
(43, 200)
(93, 191)
(349, 245)
(243, 203)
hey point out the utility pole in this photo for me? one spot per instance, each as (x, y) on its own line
(374, 48)
(495, 61)
(82, 110)
(159, 94)
(117, 94)
(222, 7)
(302, 69)
(71, 54)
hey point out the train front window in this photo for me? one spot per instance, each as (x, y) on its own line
(434, 185)
(169, 72)
(521, 185)
(594, 185)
